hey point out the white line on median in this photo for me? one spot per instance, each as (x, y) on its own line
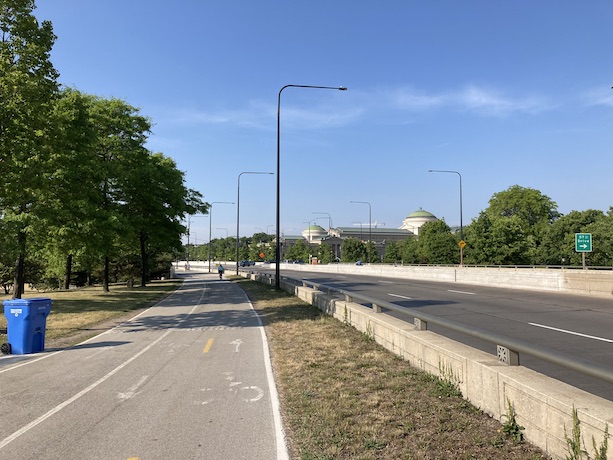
(461, 292)
(572, 333)
(399, 296)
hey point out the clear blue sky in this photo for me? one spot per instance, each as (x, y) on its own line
(505, 92)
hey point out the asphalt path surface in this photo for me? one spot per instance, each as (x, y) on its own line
(189, 378)
(577, 325)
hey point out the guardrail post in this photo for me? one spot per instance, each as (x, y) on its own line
(507, 356)
(376, 308)
(420, 325)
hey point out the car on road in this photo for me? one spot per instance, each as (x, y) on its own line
(246, 263)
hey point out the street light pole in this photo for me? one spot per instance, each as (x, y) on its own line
(210, 224)
(238, 205)
(329, 219)
(461, 224)
(278, 235)
(369, 225)
(189, 216)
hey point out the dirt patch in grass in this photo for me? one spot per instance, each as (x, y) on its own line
(345, 397)
(79, 314)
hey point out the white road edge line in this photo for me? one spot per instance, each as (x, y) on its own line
(572, 332)
(83, 392)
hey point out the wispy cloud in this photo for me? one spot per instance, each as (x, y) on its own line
(480, 100)
(263, 116)
(599, 96)
(359, 104)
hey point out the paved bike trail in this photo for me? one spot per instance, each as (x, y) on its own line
(189, 378)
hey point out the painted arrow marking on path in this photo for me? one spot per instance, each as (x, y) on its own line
(238, 343)
(133, 390)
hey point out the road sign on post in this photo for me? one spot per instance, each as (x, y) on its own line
(583, 242)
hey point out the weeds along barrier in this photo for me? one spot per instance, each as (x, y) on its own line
(542, 405)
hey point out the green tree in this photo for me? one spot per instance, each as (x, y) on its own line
(121, 133)
(558, 244)
(602, 242)
(67, 210)
(392, 253)
(534, 212)
(353, 250)
(28, 84)
(436, 244)
(154, 200)
(299, 251)
(372, 255)
(479, 250)
(324, 253)
(497, 240)
(409, 251)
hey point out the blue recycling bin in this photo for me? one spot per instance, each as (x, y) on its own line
(26, 324)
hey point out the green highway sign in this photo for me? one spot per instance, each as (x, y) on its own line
(583, 242)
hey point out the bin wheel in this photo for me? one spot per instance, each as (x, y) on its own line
(5, 348)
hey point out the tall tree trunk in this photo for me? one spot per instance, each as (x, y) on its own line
(19, 283)
(144, 260)
(68, 272)
(105, 280)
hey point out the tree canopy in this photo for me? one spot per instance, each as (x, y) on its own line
(79, 189)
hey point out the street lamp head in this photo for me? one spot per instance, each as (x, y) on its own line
(342, 88)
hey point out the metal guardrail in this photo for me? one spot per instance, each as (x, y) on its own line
(508, 348)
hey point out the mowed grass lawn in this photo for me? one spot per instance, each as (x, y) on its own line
(82, 313)
(342, 395)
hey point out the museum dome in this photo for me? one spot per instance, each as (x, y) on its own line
(416, 219)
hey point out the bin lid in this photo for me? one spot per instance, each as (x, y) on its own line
(27, 301)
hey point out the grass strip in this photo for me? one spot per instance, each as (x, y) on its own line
(81, 313)
(343, 396)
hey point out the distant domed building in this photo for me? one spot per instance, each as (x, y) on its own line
(314, 234)
(416, 219)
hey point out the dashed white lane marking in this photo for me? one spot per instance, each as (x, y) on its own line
(399, 296)
(572, 332)
(461, 292)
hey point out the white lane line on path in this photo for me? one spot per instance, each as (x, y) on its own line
(572, 332)
(461, 292)
(83, 392)
(399, 296)
(282, 453)
(386, 282)
(85, 341)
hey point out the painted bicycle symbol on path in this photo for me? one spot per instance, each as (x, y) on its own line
(248, 393)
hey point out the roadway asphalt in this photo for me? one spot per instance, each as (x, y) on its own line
(577, 325)
(190, 378)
